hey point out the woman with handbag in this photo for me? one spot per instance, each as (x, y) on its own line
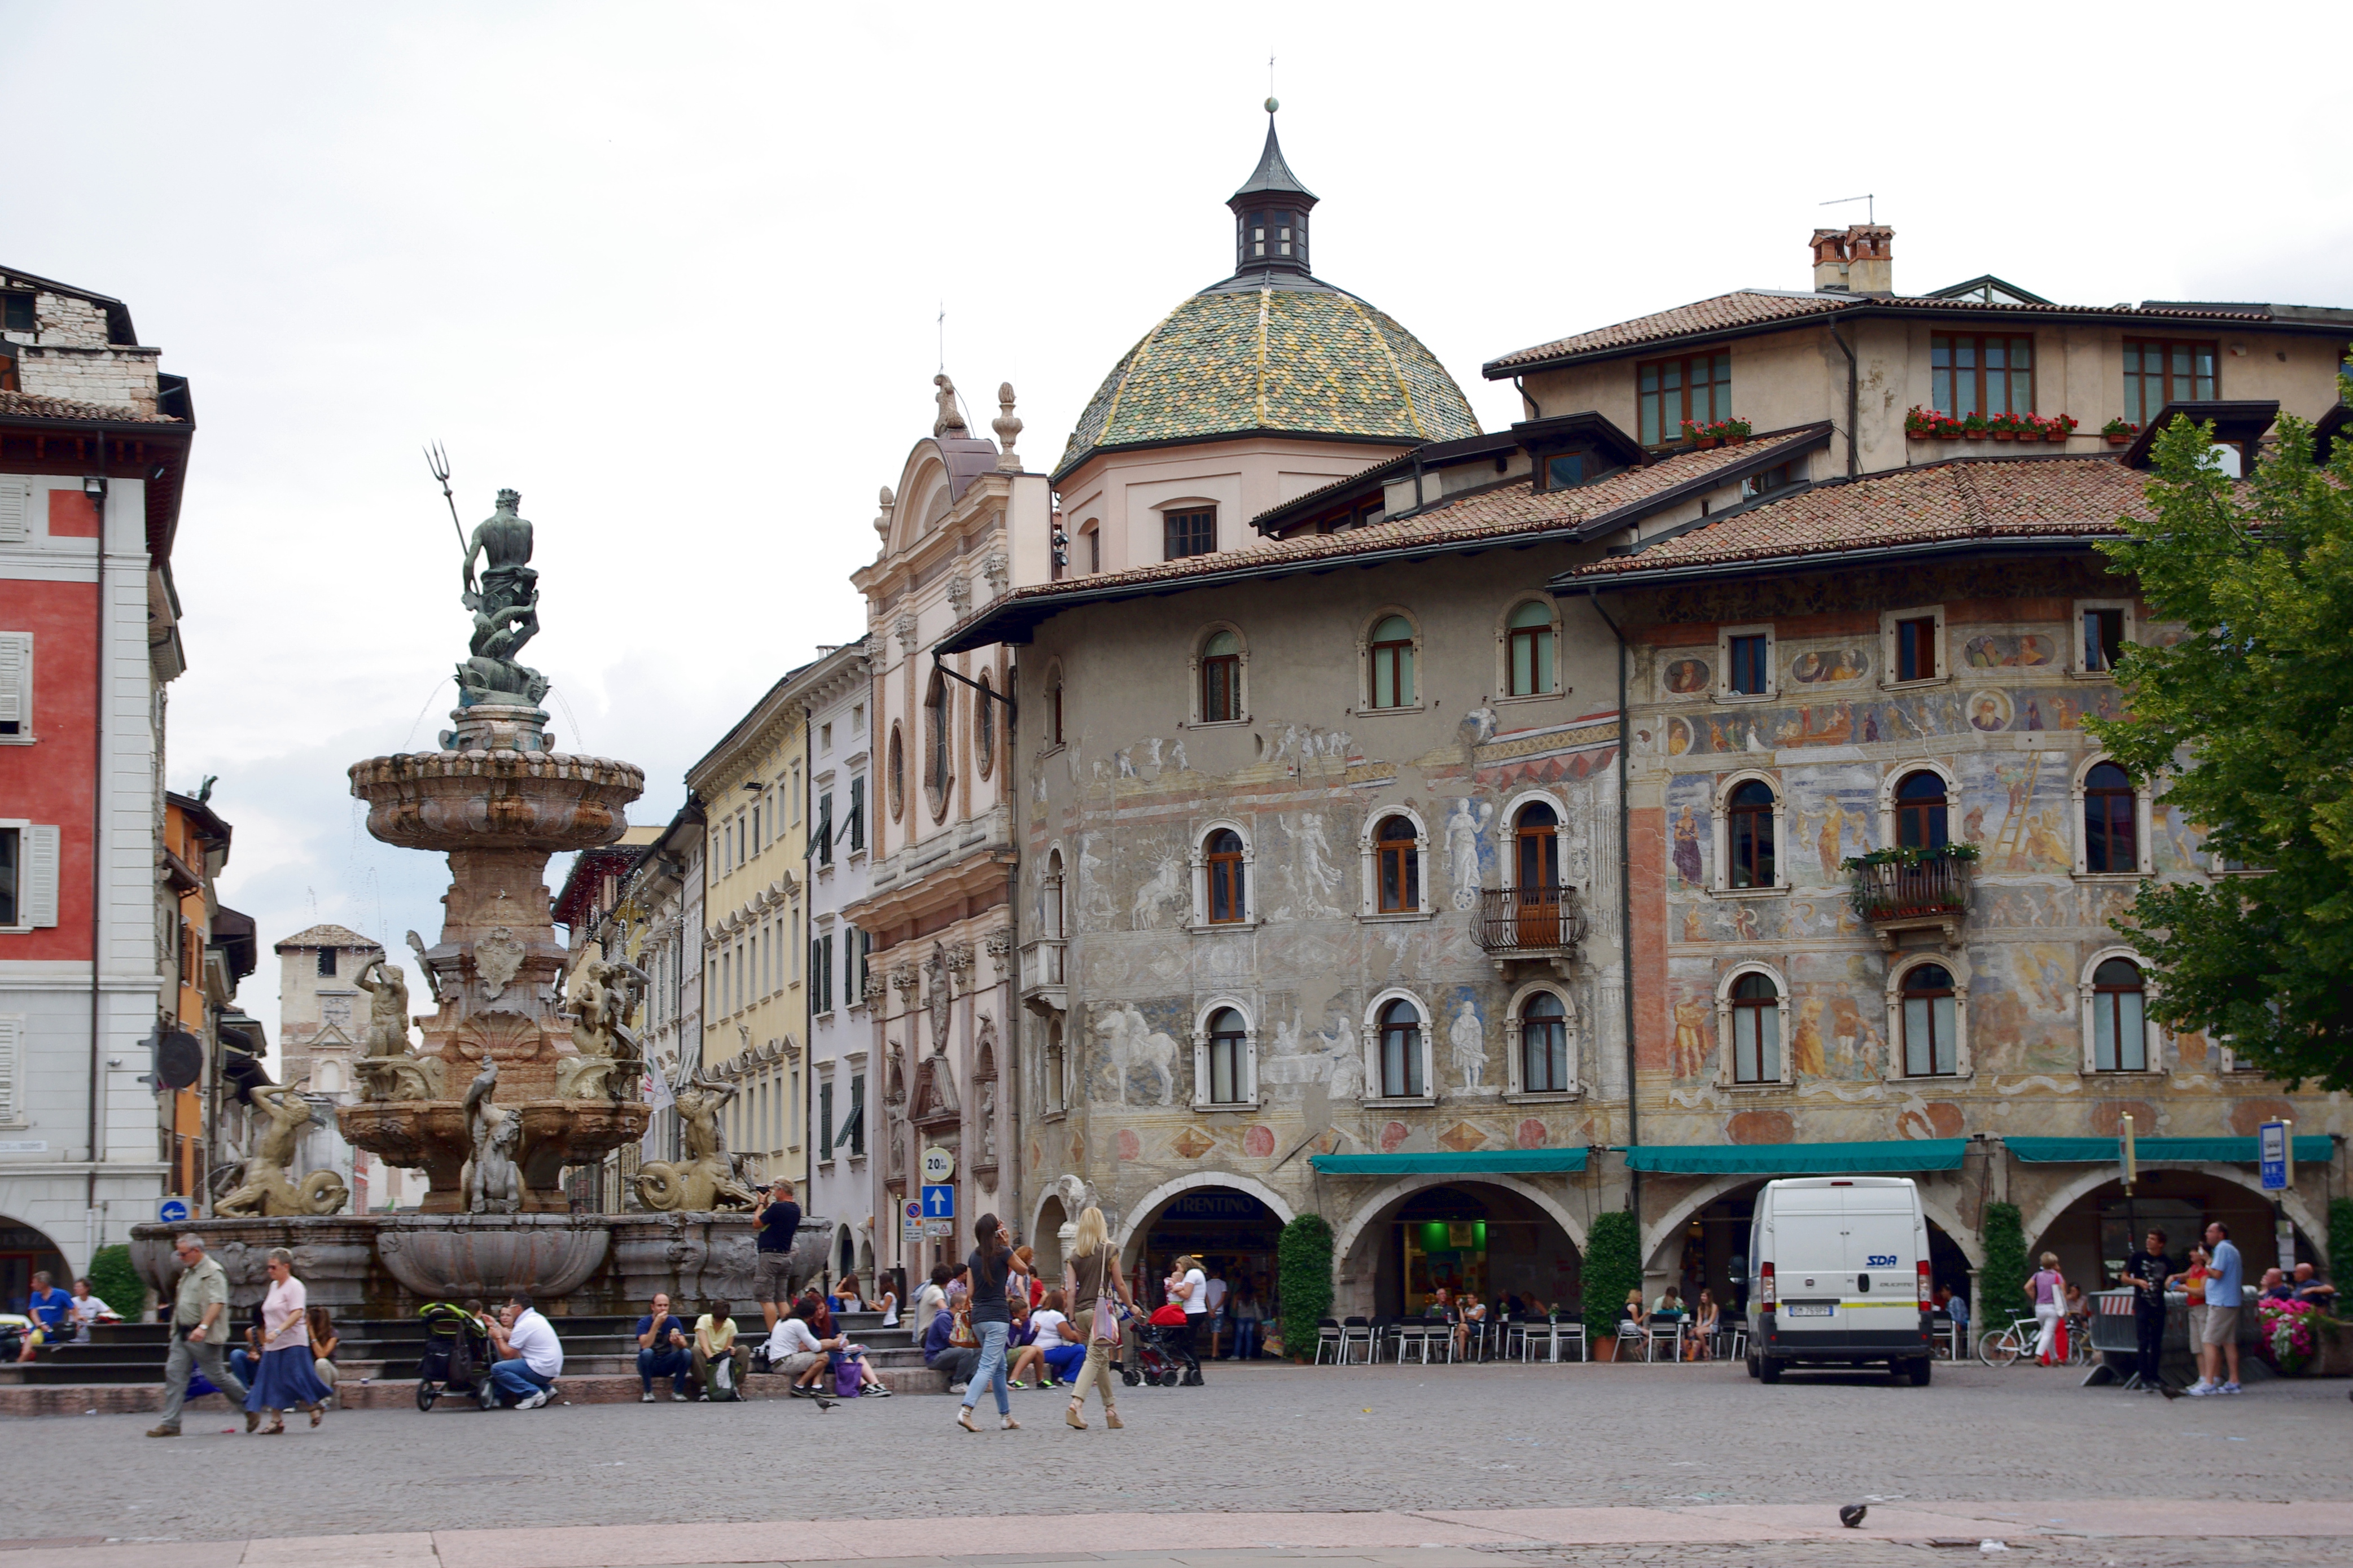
(2047, 1289)
(1092, 1285)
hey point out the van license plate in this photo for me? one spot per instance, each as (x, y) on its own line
(1807, 1309)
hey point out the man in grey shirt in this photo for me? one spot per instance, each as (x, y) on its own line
(199, 1328)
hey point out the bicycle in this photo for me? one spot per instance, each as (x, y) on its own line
(2008, 1347)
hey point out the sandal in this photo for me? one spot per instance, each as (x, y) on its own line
(1112, 1420)
(1070, 1417)
(964, 1418)
(1009, 1425)
(275, 1430)
(318, 1413)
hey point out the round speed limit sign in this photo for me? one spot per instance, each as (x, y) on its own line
(939, 1164)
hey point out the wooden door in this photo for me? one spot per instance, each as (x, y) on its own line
(1537, 877)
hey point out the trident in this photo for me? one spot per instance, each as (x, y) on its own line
(437, 461)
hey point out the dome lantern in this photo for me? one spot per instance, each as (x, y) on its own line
(1271, 213)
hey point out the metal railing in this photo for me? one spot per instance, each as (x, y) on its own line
(1530, 920)
(1937, 886)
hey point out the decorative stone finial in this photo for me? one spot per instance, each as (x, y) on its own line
(951, 418)
(883, 523)
(1008, 428)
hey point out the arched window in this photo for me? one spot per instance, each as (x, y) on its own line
(1399, 871)
(1221, 678)
(2111, 843)
(1529, 666)
(1392, 668)
(1544, 1046)
(1535, 845)
(1228, 1047)
(1400, 1032)
(1749, 816)
(1054, 711)
(1756, 1030)
(1920, 811)
(1051, 906)
(1054, 1086)
(983, 724)
(1931, 1033)
(2120, 1026)
(1224, 862)
(897, 773)
(935, 745)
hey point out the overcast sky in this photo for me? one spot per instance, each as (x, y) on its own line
(674, 272)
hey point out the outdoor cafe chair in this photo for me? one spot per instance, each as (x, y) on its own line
(1670, 1332)
(1354, 1331)
(1327, 1336)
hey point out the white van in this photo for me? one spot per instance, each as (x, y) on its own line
(1838, 1274)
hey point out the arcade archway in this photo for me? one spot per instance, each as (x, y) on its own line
(26, 1250)
(2091, 1223)
(1702, 1243)
(1490, 1237)
(1231, 1225)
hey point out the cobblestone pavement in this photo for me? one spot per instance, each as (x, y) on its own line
(1274, 1439)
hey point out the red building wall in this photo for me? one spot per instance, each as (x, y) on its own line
(52, 780)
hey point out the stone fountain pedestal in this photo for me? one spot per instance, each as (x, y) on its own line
(498, 800)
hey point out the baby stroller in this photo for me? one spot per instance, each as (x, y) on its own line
(1162, 1356)
(457, 1358)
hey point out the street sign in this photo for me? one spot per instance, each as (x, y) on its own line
(939, 1164)
(2128, 1157)
(913, 1210)
(939, 1202)
(2276, 1153)
(171, 1211)
(940, 1229)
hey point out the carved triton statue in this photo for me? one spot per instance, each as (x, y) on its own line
(708, 1178)
(493, 1183)
(266, 1185)
(611, 1057)
(388, 1069)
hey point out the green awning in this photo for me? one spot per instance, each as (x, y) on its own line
(1501, 1162)
(1884, 1156)
(2315, 1149)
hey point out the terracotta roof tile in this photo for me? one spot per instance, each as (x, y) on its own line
(1989, 498)
(326, 936)
(31, 405)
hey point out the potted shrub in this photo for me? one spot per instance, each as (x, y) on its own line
(1949, 428)
(1733, 431)
(2119, 432)
(1973, 427)
(1697, 436)
(2003, 427)
(1919, 424)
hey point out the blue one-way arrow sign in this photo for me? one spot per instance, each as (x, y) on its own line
(939, 1202)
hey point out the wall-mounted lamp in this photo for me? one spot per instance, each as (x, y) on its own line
(94, 487)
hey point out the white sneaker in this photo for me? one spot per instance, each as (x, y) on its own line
(678, 1398)
(647, 1397)
(2230, 1388)
(534, 1402)
(2199, 1390)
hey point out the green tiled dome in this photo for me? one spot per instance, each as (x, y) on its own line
(1275, 354)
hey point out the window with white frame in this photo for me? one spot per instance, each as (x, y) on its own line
(1744, 660)
(29, 876)
(1929, 1008)
(1387, 656)
(1223, 890)
(1748, 829)
(1053, 1082)
(1394, 853)
(1530, 648)
(1219, 662)
(2102, 629)
(1916, 807)
(2116, 1002)
(16, 688)
(1543, 1056)
(1751, 1006)
(1912, 651)
(1398, 1041)
(2112, 822)
(12, 1070)
(1225, 1057)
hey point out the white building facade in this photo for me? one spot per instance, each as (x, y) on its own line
(843, 1190)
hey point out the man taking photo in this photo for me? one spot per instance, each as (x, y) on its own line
(779, 1220)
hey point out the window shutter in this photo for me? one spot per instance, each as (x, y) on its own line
(16, 683)
(12, 1070)
(858, 813)
(16, 505)
(40, 876)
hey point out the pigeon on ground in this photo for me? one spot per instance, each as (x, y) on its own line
(1852, 1514)
(824, 1404)
(2169, 1391)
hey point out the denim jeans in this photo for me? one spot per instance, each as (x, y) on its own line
(515, 1380)
(1246, 1339)
(674, 1363)
(990, 1372)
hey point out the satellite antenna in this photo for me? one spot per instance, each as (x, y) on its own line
(1869, 206)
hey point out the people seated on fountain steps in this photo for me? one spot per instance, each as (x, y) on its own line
(662, 1351)
(530, 1356)
(941, 1352)
(846, 1298)
(795, 1348)
(47, 1307)
(779, 1219)
(714, 1342)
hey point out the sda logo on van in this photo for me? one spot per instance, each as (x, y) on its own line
(1882, 1260)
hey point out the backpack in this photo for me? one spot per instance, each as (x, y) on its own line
(722, 1381)
(845, 1379)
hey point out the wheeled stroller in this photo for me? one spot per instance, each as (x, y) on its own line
(1164, 1355)
(457, 1358)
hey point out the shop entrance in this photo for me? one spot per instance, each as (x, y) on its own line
(2093, 1233)
(1233, 1232)
(1471, 1238)
(25, 1251)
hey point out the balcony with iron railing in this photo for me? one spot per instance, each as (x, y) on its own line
(1927, 890)
(1538, 923)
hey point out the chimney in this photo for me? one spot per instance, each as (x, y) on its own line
(1870, 259)
(1858, 259)
(1829, 260)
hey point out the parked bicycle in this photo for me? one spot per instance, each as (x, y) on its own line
(2008, 1347)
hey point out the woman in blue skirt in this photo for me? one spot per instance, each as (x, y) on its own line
(287, 1380)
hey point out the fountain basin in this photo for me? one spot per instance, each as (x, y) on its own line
(431, 1135)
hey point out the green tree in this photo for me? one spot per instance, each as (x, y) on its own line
(2249, 719)
(1302, 1257)
(2340, 1244)
(2001, 1281)
(1613, 1266)
(114, 1281)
